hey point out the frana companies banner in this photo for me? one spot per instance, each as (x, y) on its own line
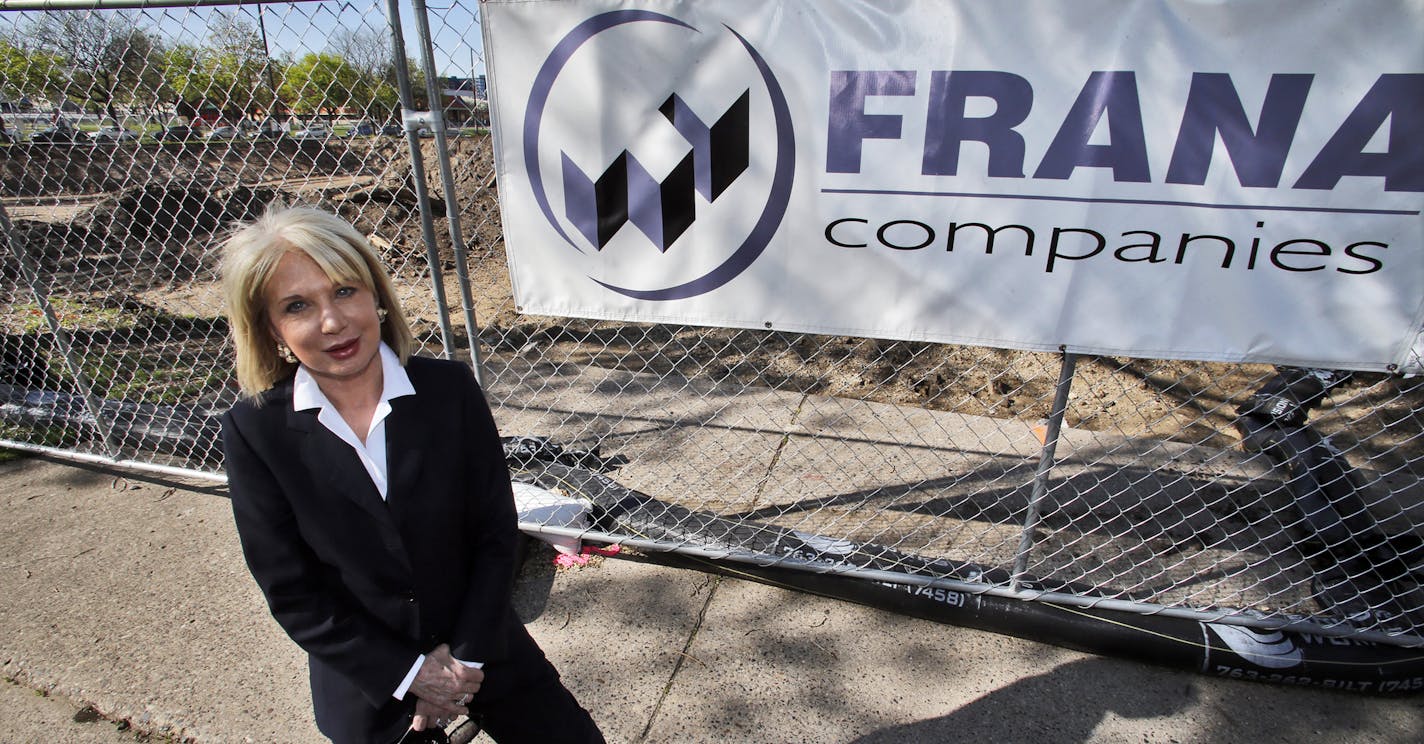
(1198, 180)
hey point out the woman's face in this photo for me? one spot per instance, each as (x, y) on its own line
(331, 327)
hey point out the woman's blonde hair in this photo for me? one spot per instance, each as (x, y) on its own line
(250, 256)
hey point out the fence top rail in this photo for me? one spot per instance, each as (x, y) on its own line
(129, 4)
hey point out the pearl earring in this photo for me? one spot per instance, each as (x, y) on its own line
(286, 353)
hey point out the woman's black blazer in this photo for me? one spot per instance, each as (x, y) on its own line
(364, 585)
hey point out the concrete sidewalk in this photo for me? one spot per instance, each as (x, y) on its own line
(126, 596)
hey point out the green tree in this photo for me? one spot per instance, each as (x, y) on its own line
(187, 78)
(389, 90)
(322, 84)
(109, 58)
(26, 74)
(383, 95)
(368, 52)
(240, 68)
(229, 73)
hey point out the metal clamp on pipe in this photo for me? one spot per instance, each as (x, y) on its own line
(414, 121)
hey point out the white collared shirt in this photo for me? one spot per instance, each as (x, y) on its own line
(395, 383)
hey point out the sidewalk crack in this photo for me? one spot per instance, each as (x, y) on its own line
(776, 454)
(683, 655)
(686, 652)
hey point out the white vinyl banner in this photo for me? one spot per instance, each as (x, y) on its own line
(1187, 179)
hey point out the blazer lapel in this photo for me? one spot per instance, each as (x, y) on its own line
(407, 434)
(325, 455)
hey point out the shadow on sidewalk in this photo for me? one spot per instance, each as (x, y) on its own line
(1081, 694)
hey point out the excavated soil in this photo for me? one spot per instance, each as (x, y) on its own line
(138, 224)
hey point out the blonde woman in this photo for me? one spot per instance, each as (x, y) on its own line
(372, 500)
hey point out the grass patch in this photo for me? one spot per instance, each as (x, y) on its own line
(149, 376)
(73, 314)
(48, 436)
(126, 351)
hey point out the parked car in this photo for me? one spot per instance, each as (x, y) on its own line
(223, 133)
(178, 133)
(316, 132)
(59, 135)
(392, 130)
(362, 129)
(115, 134)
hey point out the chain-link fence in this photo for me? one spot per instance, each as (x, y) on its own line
(133, 136)
(1240, 493)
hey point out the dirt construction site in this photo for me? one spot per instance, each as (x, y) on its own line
(134, 226)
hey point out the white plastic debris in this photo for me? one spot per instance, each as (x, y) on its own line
(541, 506)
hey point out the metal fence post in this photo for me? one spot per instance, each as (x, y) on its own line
(412, 120)
(1045, 466)
(447, 182)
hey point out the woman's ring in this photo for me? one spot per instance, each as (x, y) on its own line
(463, 699)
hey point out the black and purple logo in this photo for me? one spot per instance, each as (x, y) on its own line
(625, 194)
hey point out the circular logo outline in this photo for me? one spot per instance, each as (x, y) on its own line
(779, 197)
